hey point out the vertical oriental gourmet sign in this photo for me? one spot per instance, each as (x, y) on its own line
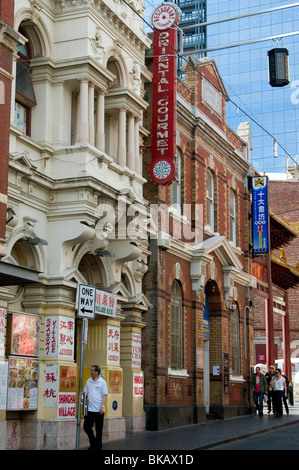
(260, 215)
(165, 20)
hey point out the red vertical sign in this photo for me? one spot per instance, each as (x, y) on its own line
(165, 20)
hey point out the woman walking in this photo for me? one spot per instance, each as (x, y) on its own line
(279, 390)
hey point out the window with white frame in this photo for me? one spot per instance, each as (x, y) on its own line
(177, 340)
(176, 187)
(233, 216)
(25, 97)
(235, 340)
(210, 198)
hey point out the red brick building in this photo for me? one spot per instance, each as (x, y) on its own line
(198, 339)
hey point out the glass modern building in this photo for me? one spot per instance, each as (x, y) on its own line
(272, 111)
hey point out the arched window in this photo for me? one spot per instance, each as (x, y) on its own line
(25, 97)
(233, 216)
(235, 340)
(177, 340)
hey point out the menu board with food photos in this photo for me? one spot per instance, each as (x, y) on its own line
(23, 374)
(23, 332)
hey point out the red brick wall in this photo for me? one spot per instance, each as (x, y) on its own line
(197, 147)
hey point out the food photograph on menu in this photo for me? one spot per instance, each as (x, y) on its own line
(23, 373)
(25, 331)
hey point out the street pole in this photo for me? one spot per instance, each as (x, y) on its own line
(83, 341)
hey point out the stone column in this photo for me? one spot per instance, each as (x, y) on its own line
(121, 151)
(91, 113)
(133, 378)
(131, 143)
(100, 125)
(83, 112)
(138, 160)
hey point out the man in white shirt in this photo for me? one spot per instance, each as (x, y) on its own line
(96, 392)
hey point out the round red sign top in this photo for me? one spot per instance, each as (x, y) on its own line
(166, 15)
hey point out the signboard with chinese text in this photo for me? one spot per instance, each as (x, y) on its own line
(165, 20)
(260, 215)
(23, 377)
(257, 271)
(2, 330)
(67, 392)
(113, 345)
(136, 350)
(51, 385)
(138, 384)
(105, 303)
(59, 337)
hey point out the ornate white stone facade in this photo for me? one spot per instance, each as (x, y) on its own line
(75, 182)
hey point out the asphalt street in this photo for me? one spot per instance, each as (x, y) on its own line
(286, 438)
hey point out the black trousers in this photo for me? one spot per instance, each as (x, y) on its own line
(277, 402)
(89, 420)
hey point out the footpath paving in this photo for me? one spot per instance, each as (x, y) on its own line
(205, 435)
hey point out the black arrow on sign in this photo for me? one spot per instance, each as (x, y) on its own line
(85, 310)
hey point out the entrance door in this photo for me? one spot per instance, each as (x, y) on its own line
(206, 375)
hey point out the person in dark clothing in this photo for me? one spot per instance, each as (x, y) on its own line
(285, 398)
(260, 388)
(269, 377)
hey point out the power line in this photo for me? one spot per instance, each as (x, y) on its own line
(182, 56)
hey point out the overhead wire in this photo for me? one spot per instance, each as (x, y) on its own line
(235, 104)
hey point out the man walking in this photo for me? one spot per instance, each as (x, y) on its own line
(259, 387)
(96, 392)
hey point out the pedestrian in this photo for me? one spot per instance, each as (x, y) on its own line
(279, 389)
(95, 392)
(260, 388)
(269, 377)
(285, 397)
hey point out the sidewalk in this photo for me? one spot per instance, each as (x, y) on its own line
(205, 435)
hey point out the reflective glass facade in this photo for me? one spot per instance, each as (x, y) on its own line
(244, 70)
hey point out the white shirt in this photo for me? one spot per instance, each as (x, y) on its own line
(95, 392)
(279, 384)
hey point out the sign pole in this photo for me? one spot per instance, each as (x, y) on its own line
(84, 321)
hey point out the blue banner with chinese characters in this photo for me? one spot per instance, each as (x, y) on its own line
(260, 215)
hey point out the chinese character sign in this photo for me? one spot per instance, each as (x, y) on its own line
(136, 350)
(138, 384)
(113, 345)
(260, 215)
(105, 303)
(2, 330)
(51, 385)
(59, 337)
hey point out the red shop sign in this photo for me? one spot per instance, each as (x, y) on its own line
(165, 19)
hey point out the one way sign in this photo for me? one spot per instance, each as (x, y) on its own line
(86, 301)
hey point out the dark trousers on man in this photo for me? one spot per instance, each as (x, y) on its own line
(89, 420)
(258, 400)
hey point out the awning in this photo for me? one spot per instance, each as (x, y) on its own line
(280, 232)
(283, 274)
(13, 275)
